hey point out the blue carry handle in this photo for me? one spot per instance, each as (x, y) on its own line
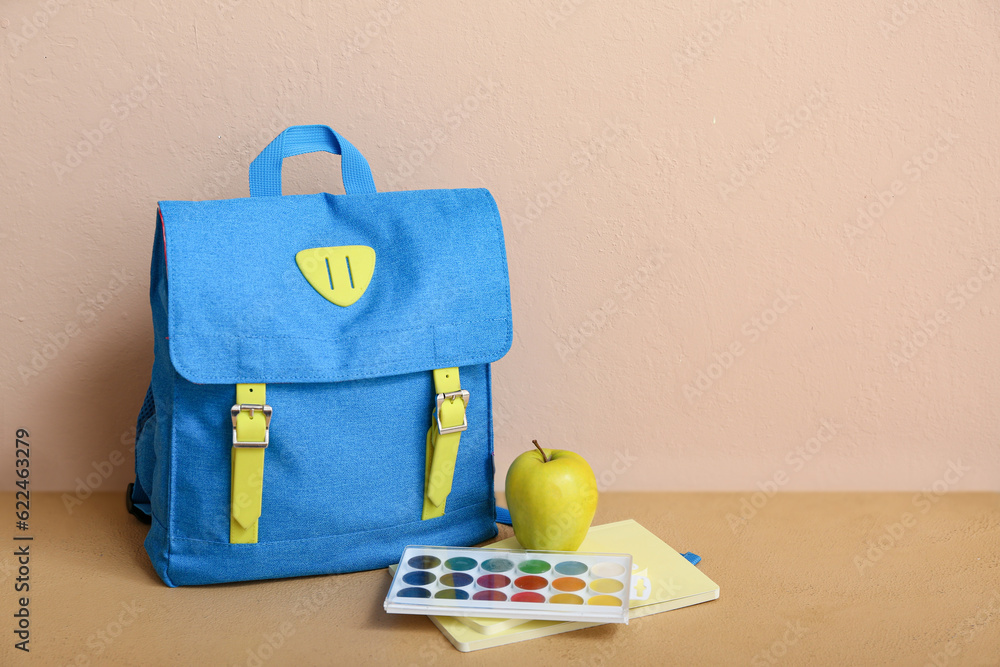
(265, 170)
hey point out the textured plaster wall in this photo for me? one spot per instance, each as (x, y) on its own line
(752, 244)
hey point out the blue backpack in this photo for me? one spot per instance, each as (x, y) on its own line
(320, 393)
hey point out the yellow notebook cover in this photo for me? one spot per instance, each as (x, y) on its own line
(662, 580)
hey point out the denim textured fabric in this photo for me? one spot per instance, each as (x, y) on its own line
(351, 388)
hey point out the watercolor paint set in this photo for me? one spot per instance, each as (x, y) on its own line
(501, 583)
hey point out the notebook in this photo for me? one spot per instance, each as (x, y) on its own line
(662, 580)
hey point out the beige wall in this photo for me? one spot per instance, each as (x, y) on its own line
(680, 324)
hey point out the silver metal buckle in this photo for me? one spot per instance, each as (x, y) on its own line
(451, 396)
(252, 407)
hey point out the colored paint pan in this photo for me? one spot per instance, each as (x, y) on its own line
(497, 583)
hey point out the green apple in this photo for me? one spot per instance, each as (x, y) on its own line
(552, 496)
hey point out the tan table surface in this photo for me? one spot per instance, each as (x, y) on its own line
(792, 593)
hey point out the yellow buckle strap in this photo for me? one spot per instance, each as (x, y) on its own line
(251, 417)
(447, 423)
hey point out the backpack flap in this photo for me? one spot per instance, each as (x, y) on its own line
(240, 309)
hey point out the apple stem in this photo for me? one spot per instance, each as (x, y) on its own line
(544, 458)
